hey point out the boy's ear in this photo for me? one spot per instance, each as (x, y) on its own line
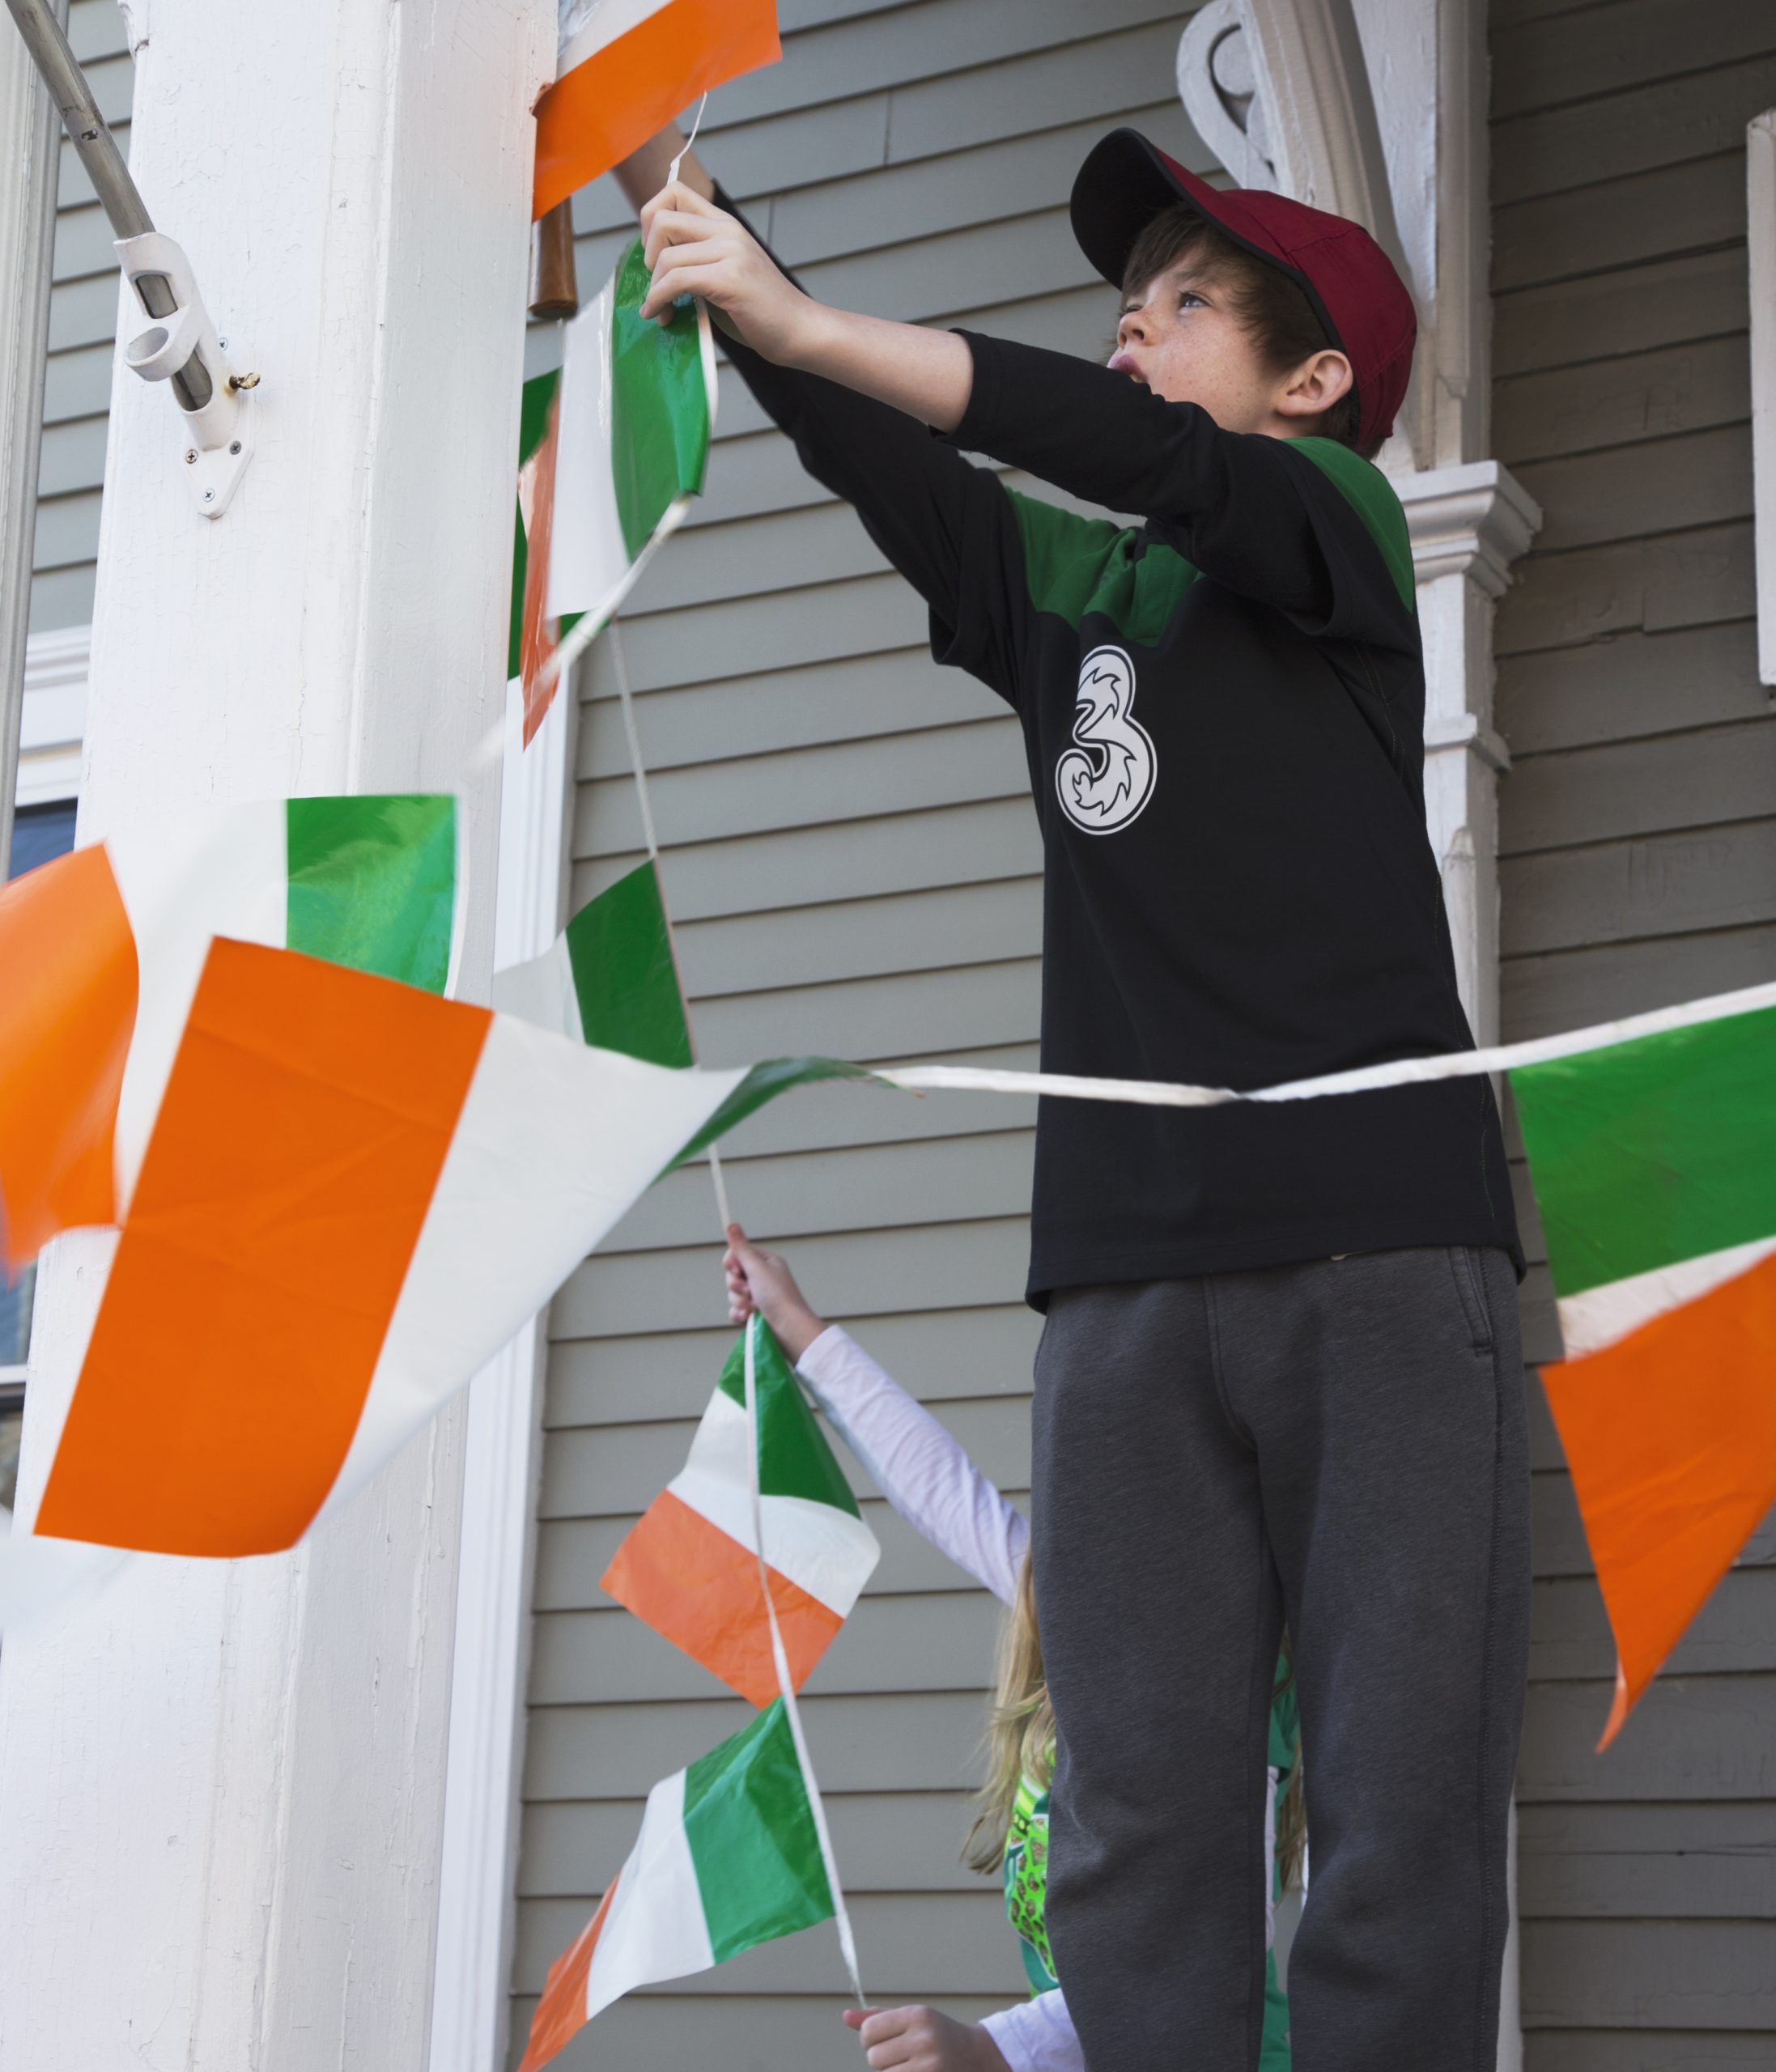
(1314, 386)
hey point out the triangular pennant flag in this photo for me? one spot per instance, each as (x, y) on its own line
(537, 637)
(354, 1193)
(728, 1856)
(536, 414)
(625, 68)
(610, 979)
(638, 410)
(690, 1567)
(1655, 1167)
(102, 949)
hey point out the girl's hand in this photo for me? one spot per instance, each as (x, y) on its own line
(758, 1279)
(921, 2040)
(694, 247)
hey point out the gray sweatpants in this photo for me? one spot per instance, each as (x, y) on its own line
(1340, 1443)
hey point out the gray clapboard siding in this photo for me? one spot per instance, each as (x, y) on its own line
(849, 849)
(662, 2032)
(1631, 309)
(1636, 586)
(957, 1941)
(961, 1353)
(573, 1553)
(1668, 121)
(1614, 789)
(1627, 2050)
(1603, 1862)
(1621, 690)
(617, 1470)
(1626, 492)
(909, 1839)
(1570, 990)
(1627, 44)
(1651, 215)
(1700, 1974)
(978, 840)
(1636, 395)
(890, 1741)
(83, 322)
(856, 699)
(845, 938)
(1667, 885)
(1734, 1633)
(975, 1175)
(1639, 844)
(820, 785)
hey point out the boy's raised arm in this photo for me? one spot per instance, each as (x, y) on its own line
(1248, 510)
(850, 392)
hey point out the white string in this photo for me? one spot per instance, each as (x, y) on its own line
(847, 1943)
(620, 667)
(1364, 1079)
(672, 170)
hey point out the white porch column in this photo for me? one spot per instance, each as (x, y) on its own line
(221, 1785)
(1469, 524)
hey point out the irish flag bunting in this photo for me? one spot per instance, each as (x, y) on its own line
(354, 1194)
(625, 68)
(1654, 1167)
(690, 1567)
(729, 1856)
(102, 949)
(611, 977)
(613, 448)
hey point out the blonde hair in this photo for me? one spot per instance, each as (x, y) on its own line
(1021, 1743)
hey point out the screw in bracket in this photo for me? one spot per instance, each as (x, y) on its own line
(191, 457)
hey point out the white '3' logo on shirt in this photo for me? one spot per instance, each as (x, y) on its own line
(1105, 782)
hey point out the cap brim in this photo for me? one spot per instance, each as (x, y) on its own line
(1122, 186)
(1125, 182)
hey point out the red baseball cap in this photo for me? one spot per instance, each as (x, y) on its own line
(1352, 283)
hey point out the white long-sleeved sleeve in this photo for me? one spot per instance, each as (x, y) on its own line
(923, 1473)
(1037, 2036)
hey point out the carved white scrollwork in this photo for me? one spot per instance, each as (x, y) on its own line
(1218, 83)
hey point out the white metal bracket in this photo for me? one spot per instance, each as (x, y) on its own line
(180, 346)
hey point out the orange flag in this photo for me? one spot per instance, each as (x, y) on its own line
(627, 68)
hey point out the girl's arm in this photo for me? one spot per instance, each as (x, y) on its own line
(917, 1465)
(1037, 2036)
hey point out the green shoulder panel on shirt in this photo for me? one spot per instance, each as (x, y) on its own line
(1074, 566)
(1370, 493)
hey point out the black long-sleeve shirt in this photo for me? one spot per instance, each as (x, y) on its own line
(1223, 715)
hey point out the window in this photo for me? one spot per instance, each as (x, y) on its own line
(38, 833)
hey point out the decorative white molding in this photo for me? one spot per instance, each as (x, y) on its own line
(1325, 137)
(1472, 520)
(477, 1875)
(1463, 730)
(1760, 261)
(1217, 82)
(54, 722)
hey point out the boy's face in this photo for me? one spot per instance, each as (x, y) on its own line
(1181, 337)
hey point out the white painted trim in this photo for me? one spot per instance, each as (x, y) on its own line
(54, 723)
(1472, 520)
(1761, 263)
(477, 1876)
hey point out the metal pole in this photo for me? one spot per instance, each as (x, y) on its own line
(27, 220)
(88, 131)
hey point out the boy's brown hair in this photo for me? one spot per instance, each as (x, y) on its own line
(1273, 312)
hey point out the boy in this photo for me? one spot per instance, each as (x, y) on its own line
(1280, 1375)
